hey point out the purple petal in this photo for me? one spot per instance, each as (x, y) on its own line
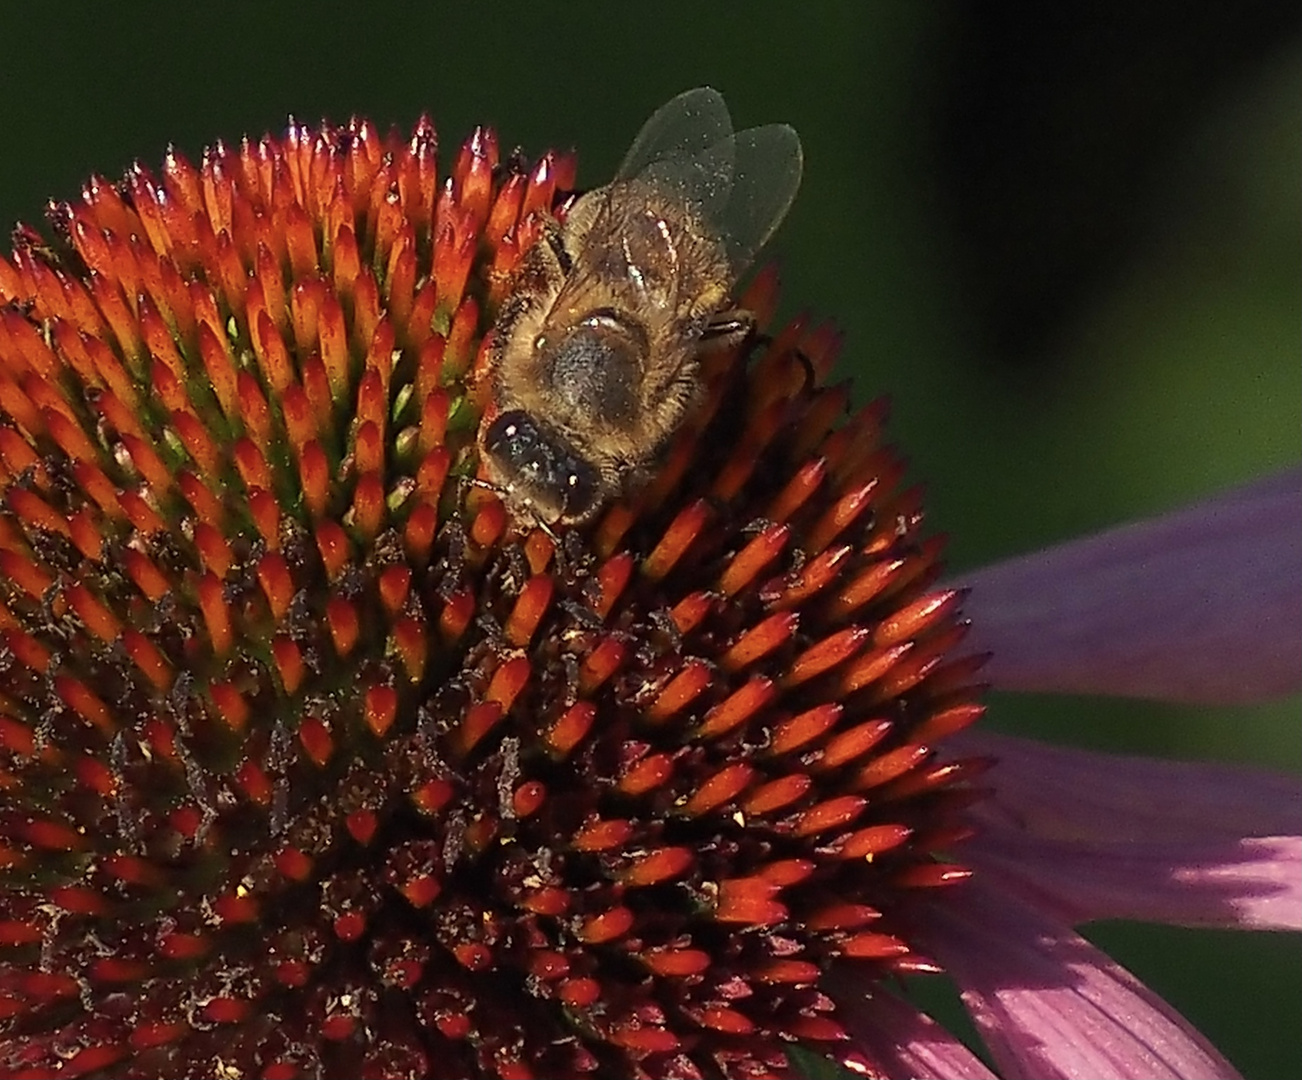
(892, 1038)
(1099, 836)
(1049, 1005)
(1253, 884)
(1059, 791)
(1201, 605)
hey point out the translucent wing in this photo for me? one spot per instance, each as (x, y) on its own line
(688, 125)
(767, 163)
(737, 187)
(741, 184)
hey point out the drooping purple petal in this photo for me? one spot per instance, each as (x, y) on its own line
(1200, 605)
(1049, 1005)
(1100, 836)
(889, 1036)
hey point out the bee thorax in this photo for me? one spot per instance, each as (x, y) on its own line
(595, 368)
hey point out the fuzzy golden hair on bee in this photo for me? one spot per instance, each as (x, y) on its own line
(594, 361)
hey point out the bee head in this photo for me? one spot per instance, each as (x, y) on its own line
(539, 470)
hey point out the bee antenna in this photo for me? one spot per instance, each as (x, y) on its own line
(500, 492)
(549, 532)
(487, 485)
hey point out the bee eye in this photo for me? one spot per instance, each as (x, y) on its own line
(581, 496)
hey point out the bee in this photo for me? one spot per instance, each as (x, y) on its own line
(593, 363)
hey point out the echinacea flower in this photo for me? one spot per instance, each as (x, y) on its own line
(312, 764)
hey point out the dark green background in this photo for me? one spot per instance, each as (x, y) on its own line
(1131, 181)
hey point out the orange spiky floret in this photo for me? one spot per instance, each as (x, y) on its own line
(312, 762)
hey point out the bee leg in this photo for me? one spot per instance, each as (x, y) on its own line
(555, 240)
(570, 556)
(733, 327)
(728, 328)
(802, 358)
(510, 570)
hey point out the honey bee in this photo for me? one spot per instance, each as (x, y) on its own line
(594, 357)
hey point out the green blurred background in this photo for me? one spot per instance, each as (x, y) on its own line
(1064, 238)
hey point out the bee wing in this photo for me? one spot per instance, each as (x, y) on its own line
(688, 125)
(766, 167)
(741, 184)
